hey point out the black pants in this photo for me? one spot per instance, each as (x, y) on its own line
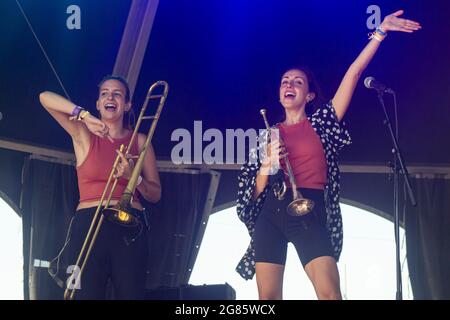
(274, 229)
(119, 254)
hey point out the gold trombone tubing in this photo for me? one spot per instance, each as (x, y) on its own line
(120, 213)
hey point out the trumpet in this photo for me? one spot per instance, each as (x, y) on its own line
(121, 212)
(299, 206)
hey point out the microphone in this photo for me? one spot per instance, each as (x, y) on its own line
(372, 83)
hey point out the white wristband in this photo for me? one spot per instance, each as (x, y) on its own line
(139, 181)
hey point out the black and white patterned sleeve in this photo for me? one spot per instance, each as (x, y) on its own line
(247, 209)
(335, 130)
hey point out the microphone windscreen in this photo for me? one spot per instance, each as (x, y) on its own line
(367, 82)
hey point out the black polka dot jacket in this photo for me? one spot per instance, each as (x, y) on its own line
(334, 136)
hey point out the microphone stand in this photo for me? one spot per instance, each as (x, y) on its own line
(398, 167)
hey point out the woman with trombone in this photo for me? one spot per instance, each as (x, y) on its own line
(119, 253)
(308, 214)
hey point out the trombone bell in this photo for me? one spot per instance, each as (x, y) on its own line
(121, 216)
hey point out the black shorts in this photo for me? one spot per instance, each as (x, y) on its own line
(275, 228)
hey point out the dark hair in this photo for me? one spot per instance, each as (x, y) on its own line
(313, 85)
(121, 79)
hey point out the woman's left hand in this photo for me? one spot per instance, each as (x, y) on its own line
(125, 167)
(392, 22)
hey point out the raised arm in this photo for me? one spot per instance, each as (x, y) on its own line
(62, 110)
(343, 96)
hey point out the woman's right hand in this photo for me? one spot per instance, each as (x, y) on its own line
(275, 151)
(97, 127)
(270, 164)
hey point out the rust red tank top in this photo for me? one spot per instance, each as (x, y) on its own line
(306, 155)
(93, 173)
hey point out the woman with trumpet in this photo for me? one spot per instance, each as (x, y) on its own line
(119, 253)
(312, 144)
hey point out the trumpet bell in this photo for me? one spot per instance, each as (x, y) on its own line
(121, 217)
(300, 207)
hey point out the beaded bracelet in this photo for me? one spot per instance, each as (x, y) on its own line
(377, 36)
(381, 32)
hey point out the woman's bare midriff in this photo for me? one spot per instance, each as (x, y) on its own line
(89, 204)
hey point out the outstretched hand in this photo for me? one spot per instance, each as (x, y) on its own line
(392, 22)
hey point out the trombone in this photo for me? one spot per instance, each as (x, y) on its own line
(299, 205)
(121, 212)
